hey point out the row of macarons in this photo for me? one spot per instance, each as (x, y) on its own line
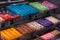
(38, 25)
(13, 34)
(32, 8)
(53, 35)
(7, 17)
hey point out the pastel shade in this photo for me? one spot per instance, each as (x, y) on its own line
(47, 36)
(35, 25)
(50, 35)
(52, 19)
(38, 6)
(49, 5)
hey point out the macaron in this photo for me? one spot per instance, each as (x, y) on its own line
(52, 19)
(44, 22)
(49, 5)
(10, 34)
(38, 6)
(50, 35)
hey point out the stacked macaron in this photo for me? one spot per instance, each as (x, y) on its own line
(7, 17)
(49, 35)
(35, 25)
(49, 5)
(10, 34)
(39, 6)
(53, 19)
(25, 29)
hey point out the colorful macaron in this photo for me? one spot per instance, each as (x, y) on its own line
(53, 19)
(10, 34)
(24, 10)
(49, 5)
(38, 6)
(35, 25)
(44, 22)
(50, 35)
(24, 29)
